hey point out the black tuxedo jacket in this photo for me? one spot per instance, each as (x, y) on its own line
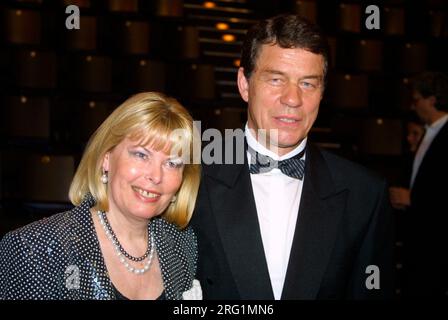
(429, 191)
(426, 235)
(344, 225)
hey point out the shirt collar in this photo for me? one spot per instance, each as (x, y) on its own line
(254, 144)
(437, 125)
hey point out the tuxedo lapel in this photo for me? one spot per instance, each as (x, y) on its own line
(435, 151)
(233, 206)
(321, 208)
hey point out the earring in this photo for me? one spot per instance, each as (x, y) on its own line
(104, 178)
(173, 199)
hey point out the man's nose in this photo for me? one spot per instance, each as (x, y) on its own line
(292, 96)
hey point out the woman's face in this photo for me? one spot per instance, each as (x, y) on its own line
(414, 135)
(142, 181)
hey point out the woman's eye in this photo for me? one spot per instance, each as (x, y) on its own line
(139, 155)
(175, 164)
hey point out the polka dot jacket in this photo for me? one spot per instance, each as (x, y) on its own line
(60, 258)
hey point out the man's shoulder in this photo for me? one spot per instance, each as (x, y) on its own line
(344, 169)
(441, 139)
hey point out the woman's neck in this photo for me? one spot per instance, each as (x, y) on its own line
(131, 232)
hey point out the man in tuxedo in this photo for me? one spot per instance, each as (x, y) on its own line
(292, 221)
(425, 259)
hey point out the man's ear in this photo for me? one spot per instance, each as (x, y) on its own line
(106, 161)
(243, 85)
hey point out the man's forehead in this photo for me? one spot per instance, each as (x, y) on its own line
(266, 51)
(416, 94)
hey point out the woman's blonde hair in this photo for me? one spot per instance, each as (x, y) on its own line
(151, 118)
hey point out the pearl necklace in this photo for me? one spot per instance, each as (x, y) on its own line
(121, 253)
(115, 240)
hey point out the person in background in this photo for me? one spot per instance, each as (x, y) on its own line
(399, 194)
(127, 236)
(425, 262)
(415, 132)
(292, 221)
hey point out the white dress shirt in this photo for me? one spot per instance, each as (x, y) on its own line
(430, 134)
(277, 199)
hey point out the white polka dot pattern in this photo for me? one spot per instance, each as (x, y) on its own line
(60, 258)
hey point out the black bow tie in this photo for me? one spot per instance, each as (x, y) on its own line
(293, 167)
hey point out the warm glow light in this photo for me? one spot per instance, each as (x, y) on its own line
(228, 37)
(45, 159)
(222, 26)
(236, 62)
(209, 4)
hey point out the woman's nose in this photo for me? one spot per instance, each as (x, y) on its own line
(154, 173)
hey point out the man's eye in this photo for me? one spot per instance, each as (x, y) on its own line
(276, 81)
(308, 85)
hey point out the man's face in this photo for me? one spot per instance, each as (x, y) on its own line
(424, 107)
(283, 94)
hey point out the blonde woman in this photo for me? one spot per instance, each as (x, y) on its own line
(127, 237)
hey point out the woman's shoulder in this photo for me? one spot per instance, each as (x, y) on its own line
(42, 231)
(32, 258)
